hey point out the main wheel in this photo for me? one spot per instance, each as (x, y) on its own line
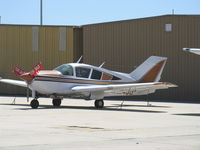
(56, 102)
(99, 103)
(34, 103)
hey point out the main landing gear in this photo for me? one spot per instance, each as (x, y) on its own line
(56, 102)
(35, 103)
(99, 103)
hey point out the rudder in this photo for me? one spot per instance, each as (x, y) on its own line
(150, 70)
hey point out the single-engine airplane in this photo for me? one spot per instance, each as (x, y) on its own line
(90, 82)
(192, 50)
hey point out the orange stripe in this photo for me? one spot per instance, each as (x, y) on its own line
(151, 75)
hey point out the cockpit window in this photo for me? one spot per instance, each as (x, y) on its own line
(96, 75)
(82, 72)
(65, 69)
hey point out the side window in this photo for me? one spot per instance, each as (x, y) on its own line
(82, 72)
(115, 78)
(106, 77)
(96, 75)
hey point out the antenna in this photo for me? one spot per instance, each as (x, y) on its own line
(41, 15)
(79, 60)
(172, 11)
(102, 64)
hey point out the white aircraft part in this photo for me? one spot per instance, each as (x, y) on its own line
(33, 94)
(129, 92)
(14, 82)
(126, 87)
(48, 87)
(97, 95)
(192, 50)
(143, 69)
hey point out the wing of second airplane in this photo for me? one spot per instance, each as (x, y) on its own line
(138, 86)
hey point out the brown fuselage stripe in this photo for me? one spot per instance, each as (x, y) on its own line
(80, 81)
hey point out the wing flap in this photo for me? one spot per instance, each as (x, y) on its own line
(14, 82)
(142, 86)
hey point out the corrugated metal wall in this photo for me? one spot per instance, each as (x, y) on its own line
(23, 46)
(126, 44)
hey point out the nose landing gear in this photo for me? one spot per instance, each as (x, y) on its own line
(34, 103)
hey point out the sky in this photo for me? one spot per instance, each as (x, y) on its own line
(81, 12)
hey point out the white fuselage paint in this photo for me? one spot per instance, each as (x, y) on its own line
(64, 89)
(48, 85)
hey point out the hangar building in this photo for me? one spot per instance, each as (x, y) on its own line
(26, 45)
(123, 45)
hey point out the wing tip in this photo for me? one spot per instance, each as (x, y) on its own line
(168, 84)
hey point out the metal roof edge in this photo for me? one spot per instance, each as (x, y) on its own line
(34, 25)
(166, 15)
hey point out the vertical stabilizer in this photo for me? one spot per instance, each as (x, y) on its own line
(150, 70)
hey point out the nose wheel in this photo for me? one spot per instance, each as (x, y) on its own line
(34, 103)
(99, 103)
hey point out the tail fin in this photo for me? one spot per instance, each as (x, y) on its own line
(150, 70)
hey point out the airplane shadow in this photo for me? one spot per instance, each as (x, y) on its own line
(126, 105)
(189, 114)
(106, 108)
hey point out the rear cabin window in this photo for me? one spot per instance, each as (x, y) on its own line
(106, 77)
(115, 78)
(96, 75)
(82, 72)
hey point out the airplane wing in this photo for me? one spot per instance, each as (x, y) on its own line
(14, 82)
(192, 50)
(136, 86)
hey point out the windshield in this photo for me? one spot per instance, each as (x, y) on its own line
(65, 69)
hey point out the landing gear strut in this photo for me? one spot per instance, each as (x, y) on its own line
(99, 103)
(56, 102)
(34, 103)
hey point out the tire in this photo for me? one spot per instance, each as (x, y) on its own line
(99, 103)
(56, 102)
(34, 103)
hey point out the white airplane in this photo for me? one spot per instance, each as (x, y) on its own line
(90, 82)
(192, 50)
